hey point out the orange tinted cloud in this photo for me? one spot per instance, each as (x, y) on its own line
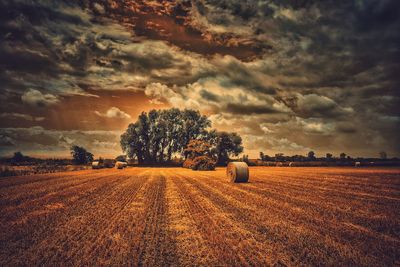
(82, 112)
(169, 21)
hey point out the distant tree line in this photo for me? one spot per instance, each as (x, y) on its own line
(280, 157)
(159, 134)
(19, 158)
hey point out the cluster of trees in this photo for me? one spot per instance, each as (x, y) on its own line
(311, 157)
(159, 134)
(19, 157)
(80, 155)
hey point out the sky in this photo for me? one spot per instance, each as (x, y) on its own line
(289, 76)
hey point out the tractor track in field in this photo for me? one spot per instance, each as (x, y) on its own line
(313, 206)
(316, 206)
(53, 179)
(40, 195)
(336, 180)
(328, 203)
(249, 216)
(221, 237)
(352, 189)
(28, 180)
(56, 194)
(178, 217)
(155, 244)
(195, 250)
(48, 227)
(94, 227)
(325, 180)
(237, 215)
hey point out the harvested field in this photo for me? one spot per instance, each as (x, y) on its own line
(174, 216)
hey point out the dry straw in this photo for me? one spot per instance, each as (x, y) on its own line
(95, 165)
(238, 172)
(120, 164)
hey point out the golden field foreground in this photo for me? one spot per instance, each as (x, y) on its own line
(174, 216)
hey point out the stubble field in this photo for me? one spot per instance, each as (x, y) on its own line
(173, 216)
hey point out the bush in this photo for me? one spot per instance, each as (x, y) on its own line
(188, 163)
(200, 163)
(204, 163)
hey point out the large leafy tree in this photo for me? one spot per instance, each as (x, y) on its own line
(194, 126)
(157, 135)
(226, 145)
(131, 142)
(80, 155)
(172, 119)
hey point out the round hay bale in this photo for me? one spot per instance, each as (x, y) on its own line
(238, 172)
(96, 165)
(120, 164)
(279, 164)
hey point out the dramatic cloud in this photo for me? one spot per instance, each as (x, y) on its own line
(313, 105)
(217, 95)
(36, 98)
(289, 76)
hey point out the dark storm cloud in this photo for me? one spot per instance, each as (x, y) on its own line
(172, 21)
(59, 48)
(313, 105)
(28, 51)
(290, 75)
(13, 59)
(248, 109)
(209, 96)
(346, 127)
(25, 46)
(333, 62)
(239, 74)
